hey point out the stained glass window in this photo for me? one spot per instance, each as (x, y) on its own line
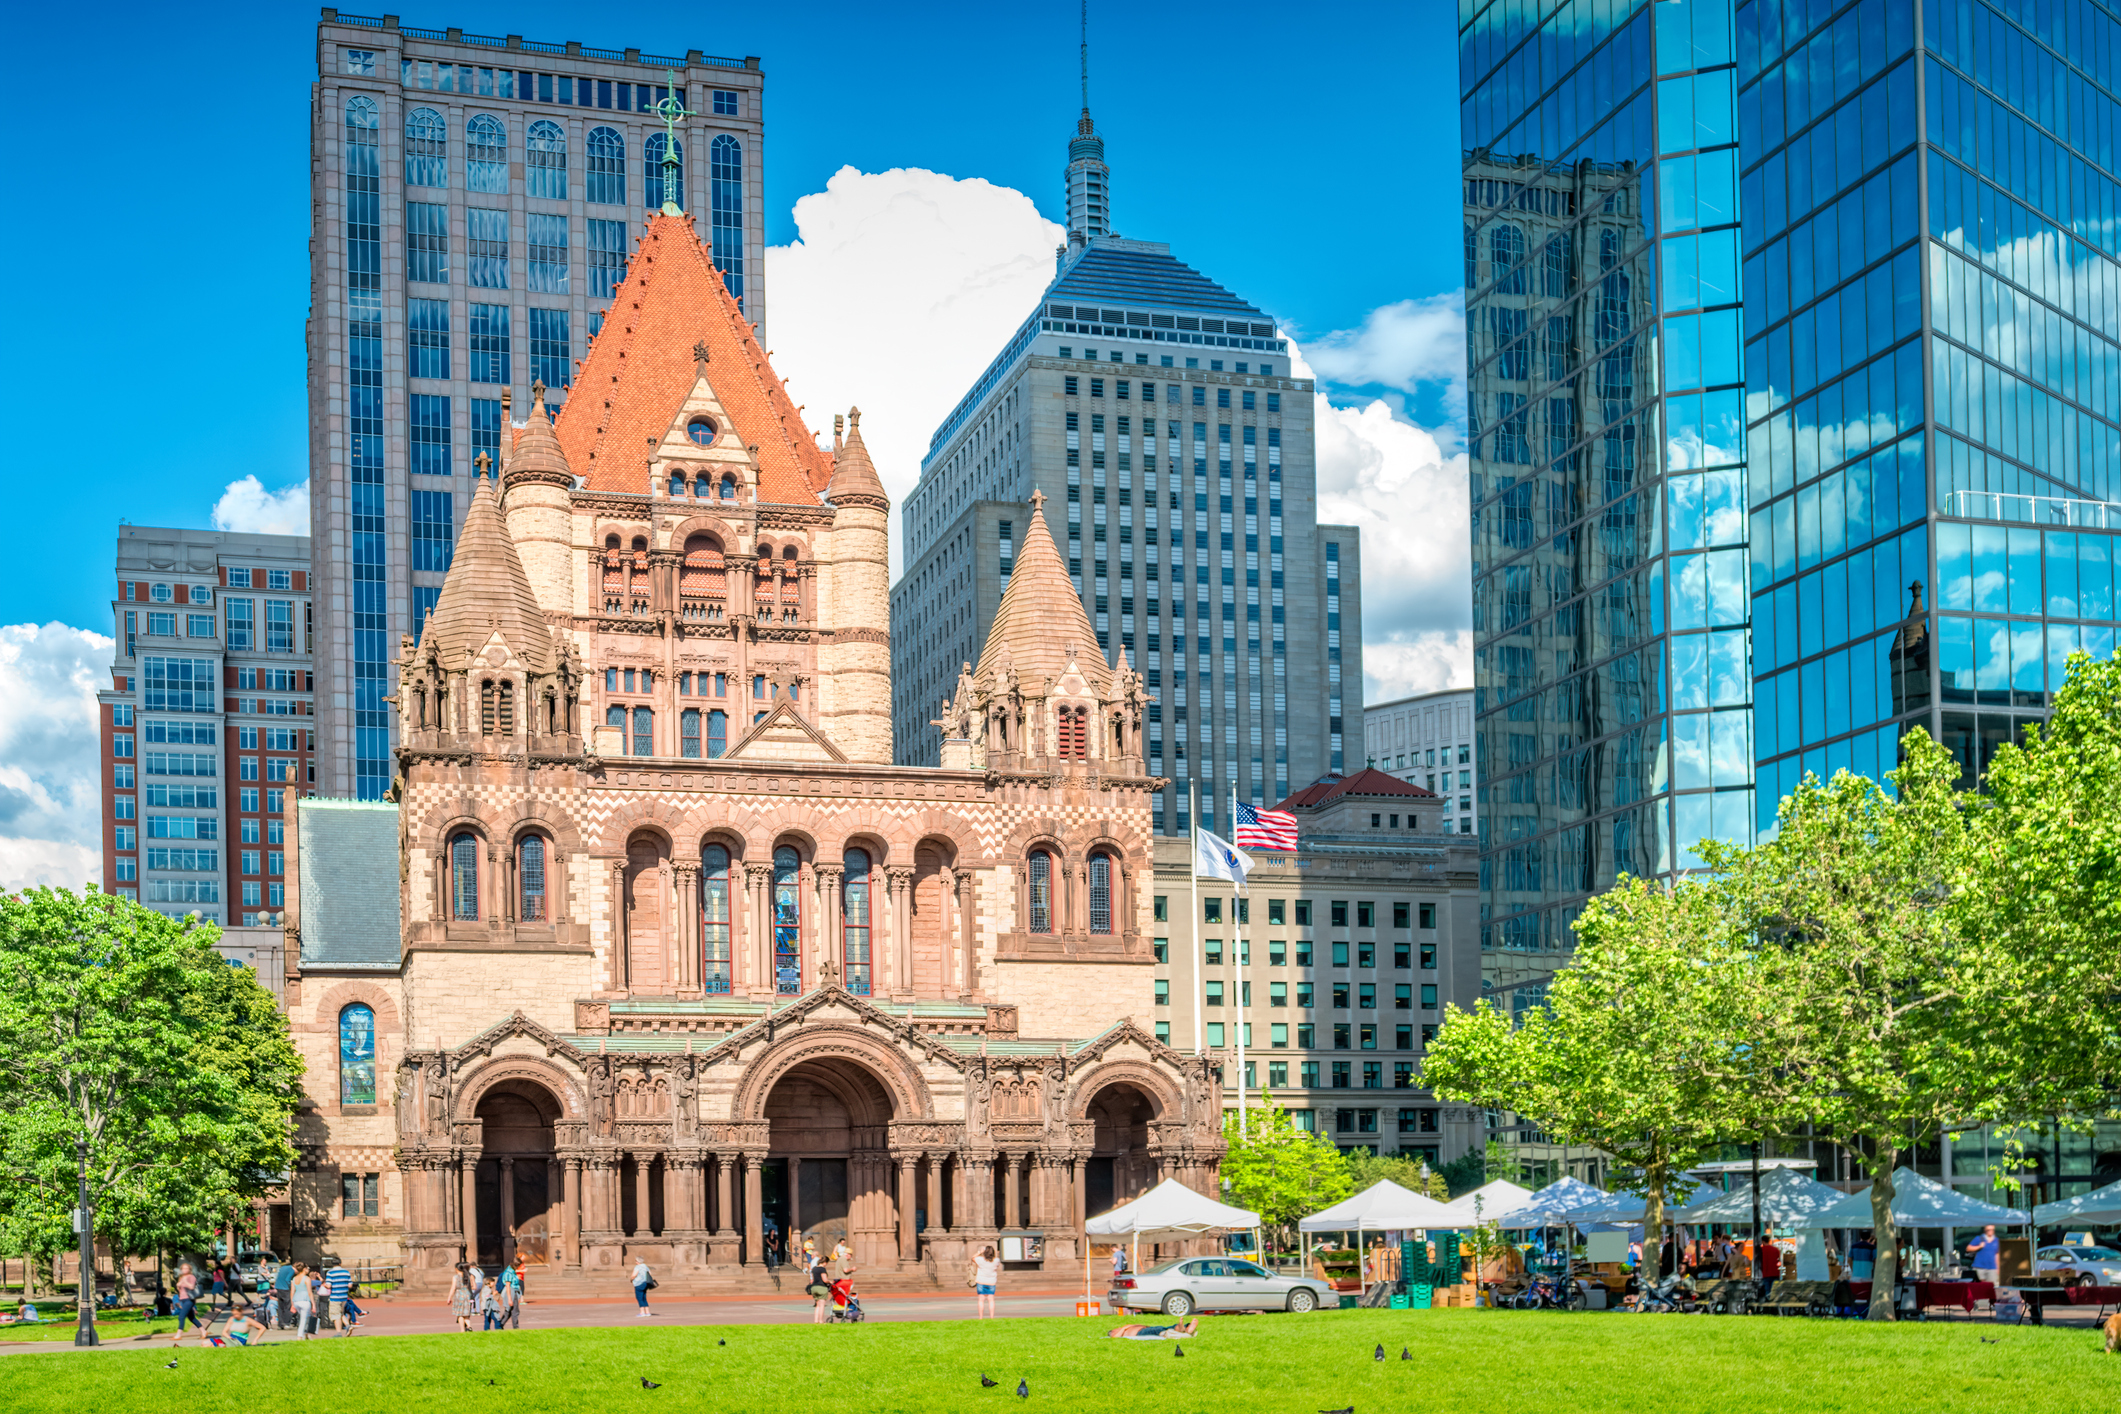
(357, 1055)
(714, 918)
(532, 875)
(787, 924)
(464, 876)
(1100, 893)
(1041, 892)
(855, 903)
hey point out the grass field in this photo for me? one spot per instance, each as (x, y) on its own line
(1462, 1360)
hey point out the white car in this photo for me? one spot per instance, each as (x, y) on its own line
(1184, 1285)
(2103, 1263)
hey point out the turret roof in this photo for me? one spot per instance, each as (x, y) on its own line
(670, 310)
(487, 592)
(854, 474)
(1041, 617)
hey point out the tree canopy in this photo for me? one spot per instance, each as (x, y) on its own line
(1279, 1171)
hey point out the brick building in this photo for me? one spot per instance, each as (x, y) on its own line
(652, 945)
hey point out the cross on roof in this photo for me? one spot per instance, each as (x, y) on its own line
(1038, 501)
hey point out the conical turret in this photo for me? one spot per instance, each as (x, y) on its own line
(854, 663)
(534, 492)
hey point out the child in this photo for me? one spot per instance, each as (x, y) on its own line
(843, 1297)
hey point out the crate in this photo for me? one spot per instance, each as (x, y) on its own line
(1349, 1301)
(1420, 1296)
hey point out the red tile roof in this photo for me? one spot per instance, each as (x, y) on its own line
(1366, 782)
(642, 367)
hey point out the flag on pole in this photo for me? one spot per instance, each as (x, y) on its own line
(1265, 829)
(1216, 858)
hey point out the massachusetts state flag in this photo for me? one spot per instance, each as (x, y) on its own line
(1265, 829)
(1215, 858)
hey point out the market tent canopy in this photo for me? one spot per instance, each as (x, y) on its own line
(1917, 1202)
(1169, 1210)
(2101, 1205)
(1608, 1208)
(1787, 1199)
(1551, 1203)
(1500, 1196)
(1383, 1206)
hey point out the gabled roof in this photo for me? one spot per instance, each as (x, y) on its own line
(1366, 782)
(487, 593)
(1116, 274)
(672, 306)
(1041, 617)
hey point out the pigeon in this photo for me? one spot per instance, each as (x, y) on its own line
(170, 1366)
(1349, 1410)
(1405, 1354)
(1023, 1390)
(489, 1382)
(1380, 1353)
(647, 1383)
(1178, 1351)
(1984, 1340)
(985, 1383)
(721, 1342)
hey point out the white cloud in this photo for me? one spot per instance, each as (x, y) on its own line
(246, 505)
(1404, 346)
(899, 290)
(51, 803)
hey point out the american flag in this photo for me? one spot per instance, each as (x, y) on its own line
(1265, 829)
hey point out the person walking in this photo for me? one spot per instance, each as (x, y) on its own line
(819, 1289)
(643, 1283)
(338, 1285)
(515, 1280)
(770, 1242)
(187, 1304)
(219, 1274)
(490, 1305)
(842, 1258)
(460, 1296)
(986, 1277)
(1986, 1254)
(303, 1296)
(507, 1299)
(279, 1313)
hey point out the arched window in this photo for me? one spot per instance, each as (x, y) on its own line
(725, 171)
(729, 486)
(854, 914)
(787, 923)
(426, 149)
(689, 733)
(1041, 892)
(1100, 893)
(717, 735)
(652, 174)
(357, 1055)
(701, 431)
(361, 118)
(547, 165)
(714, 918)
(464, 877)
(486, 155)
(607, 167)
(643, 731)
(486, 707)
(704, 571)
(677, 484)
(530, 879)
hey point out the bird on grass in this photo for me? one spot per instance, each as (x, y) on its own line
(170, 1366)
(647, 1383)
(1984, 1340)
(1023, 1389)
(1178, 1351)
(1349, 1410)
(985, 1383)
(1379, 1354)
(1405, 1354)
(721, 1342)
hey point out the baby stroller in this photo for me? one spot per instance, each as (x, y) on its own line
(846, 1306)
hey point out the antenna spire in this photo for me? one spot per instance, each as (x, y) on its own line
(1089, 209)
(1086, 56)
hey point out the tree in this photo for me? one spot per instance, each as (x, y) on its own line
(1279, 1171)
(124, 1028)
(1864, 977)
(1634, 1050)
(1367, 1169)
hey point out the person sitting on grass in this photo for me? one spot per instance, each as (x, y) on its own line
(1184, 1330)
(243, 1330)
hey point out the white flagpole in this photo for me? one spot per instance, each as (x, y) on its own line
(1237, 922)
(1192, 929)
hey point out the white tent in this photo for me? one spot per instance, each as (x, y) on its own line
(1499, 1196)
(1607, 1208)
(2101, 1205)
(1382, 1207)
(1917, 1202)
(1787, 1199)
(1169, 1210)
(1547, 1207)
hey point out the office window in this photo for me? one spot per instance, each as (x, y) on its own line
(1275, 910)
(1340, 996)
(1163, 1032)
(1306, 1035)
(1303, 994)
(1163, 992)
(1342, 1074)
(1309, 1071)
(1402, 955)
(426, 149)
(1366, 955)
(546, 167)
(1163, 909)
(1428, 996)
(607, 168)
(1342, 1036)
(279, 626)
(725, 102)
(427, 336)
(1161, 947)
(1278, 1035)
(1277, 953)
(430, 433)
(1303, 952)
(551, 348)
(1373, 1075)
(1400, 914)
(1340, 914)
(548, 253)
(1303, 913)
(725, 171)
(1368, 1038)
(1366, 996)
(489, 344)
(427, 242)
(607, 257)
(1277, 1074)
(1211, 910)
(1340, 954)
(486, 247)
(486, 155)
(1403, 996)
(1403, 1038)
(1428, 915)
(1211, 950)
(1215, 992)
(1365, 915)
(1277, 994)
(1428, 957)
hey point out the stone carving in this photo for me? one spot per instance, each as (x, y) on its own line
(602, 1086)
(688, 1091)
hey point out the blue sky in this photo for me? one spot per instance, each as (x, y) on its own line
(1306, 159)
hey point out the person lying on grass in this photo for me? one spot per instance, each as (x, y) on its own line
(242, 1330)
(1184, 1330)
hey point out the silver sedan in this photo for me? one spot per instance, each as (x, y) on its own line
(1191, 1284)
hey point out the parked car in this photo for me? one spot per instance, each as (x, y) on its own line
(2103, 1263)
(1189, 1284)
(255, 1269)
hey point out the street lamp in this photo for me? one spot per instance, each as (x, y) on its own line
(85, 1230)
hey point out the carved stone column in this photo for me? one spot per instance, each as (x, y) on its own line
(1078, 1186)
(724, 1197)
(825, 927)
(754, 1241)
(898, 880)
(795, 1201)
(1012, 1165)
(908, 1198)
(571, 1211)
(685, 927)
(967, 931)
(936, 1226)
(621, 962)
(469, 1207)
(641, 1210)
(508, 1209)
(758, 914)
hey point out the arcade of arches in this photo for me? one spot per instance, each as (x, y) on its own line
(836, 1121)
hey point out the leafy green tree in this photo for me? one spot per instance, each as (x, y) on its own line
(1634, 1050)
(1366, 1170)
(1279, 1171)
(124, 1028)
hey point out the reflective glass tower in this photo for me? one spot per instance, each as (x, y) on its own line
(1793, 386)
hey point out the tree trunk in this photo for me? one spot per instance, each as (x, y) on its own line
(1885, 1267)
(1652, 1270)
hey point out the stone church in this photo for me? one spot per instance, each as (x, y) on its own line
(672, 958)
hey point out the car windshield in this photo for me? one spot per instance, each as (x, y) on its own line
(2094, 1254)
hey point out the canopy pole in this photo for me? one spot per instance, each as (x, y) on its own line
(1192, 928)
(1237, 906)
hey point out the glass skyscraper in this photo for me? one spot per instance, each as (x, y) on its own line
(1793, 391)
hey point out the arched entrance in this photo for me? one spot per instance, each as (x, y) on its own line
(1120, 1166)
(518, 1178)
(828, 1172)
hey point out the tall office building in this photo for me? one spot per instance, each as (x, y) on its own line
(1427, 740)
(475, 200)
(1794, 395)
(206, 725)
(1156, 411)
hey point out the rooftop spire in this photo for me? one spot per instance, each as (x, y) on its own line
(671, 109)
(1089, 206)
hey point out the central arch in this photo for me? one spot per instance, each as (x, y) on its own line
(1121, 1112)
(518, 1184)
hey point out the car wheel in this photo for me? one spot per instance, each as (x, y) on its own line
(1178, 1304)
(1303, 1299)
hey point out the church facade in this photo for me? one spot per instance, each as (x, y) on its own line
(679, 960)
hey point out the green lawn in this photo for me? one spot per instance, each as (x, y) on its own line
(58, 1324)
(1492, 1362)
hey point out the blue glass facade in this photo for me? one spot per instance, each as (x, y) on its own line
(1730, 530)
(364, 379)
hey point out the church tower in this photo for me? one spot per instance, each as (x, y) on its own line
(854, 657)
(534, 494)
